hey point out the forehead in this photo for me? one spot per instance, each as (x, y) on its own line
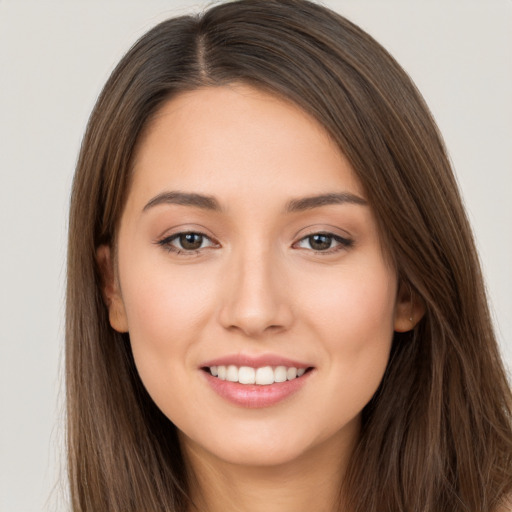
(230, 139)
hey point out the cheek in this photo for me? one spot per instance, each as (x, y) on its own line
(355, 320)
(161, 298)
(357, 301)
(167, 310)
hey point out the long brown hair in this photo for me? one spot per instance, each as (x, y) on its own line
(437, 434)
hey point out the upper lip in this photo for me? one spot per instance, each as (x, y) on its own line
(255, 361)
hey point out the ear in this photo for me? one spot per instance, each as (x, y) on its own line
(409, 308)
(111, 290)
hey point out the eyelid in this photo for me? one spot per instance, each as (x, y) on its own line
(184, 228)
(169, 235)
(324, 229)
(167, 244)
(344, 241)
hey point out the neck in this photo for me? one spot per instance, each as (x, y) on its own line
(310, 482)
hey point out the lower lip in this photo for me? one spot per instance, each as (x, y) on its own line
(253, 395)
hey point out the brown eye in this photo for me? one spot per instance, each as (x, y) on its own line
(320, 242)
(324, 242)
(187, 242)
(190, 241)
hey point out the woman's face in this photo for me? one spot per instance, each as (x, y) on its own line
(247, 252)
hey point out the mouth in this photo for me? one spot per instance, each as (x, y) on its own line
(262, 376)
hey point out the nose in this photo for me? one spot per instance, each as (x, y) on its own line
(255, 300)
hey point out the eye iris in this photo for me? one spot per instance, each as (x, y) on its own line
(320, 242)
(191, 241)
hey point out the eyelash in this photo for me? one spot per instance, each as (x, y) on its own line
(166, 243)
(342, 243)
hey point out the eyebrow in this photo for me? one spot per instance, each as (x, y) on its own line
(308, 203)
(295, 205)
(185, 199)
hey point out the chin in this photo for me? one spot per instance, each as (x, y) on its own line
(268, 446)
(261, 455)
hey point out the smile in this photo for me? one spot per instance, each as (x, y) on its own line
(256, 387)
(263, 376)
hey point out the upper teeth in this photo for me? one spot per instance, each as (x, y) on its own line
(263, 376)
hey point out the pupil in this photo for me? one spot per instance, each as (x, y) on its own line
(320, 242)
(191, 241)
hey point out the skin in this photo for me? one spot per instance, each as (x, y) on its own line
(255, 286)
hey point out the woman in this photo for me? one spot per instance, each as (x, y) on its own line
(274, 300)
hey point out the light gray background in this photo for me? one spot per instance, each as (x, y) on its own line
(55, 57)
